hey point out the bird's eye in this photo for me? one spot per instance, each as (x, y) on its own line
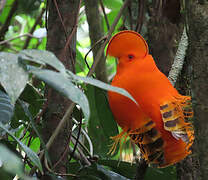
(130, 56)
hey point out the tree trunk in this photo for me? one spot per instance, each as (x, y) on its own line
(62, 20)
(96, 33)
(198, 55)
(164, 32)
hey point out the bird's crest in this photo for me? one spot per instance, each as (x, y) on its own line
(126, 42)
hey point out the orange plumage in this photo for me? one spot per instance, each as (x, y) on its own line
(158, 123)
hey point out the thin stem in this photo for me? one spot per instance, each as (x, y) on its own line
(99, 54)
(104, 13)
(77, 139)
(140, 16)
(94, 45)
(13, 38)
(60, 17)
(38, 20)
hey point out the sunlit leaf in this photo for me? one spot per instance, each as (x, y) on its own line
(115, 4)
(12, 76)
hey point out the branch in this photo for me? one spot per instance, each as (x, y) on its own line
(2, 4)
(104, 13)
(13, 38)
(8, 20)
(99, 54)
(179, 58)
(96, 32)
(140, 16)
(38, 20)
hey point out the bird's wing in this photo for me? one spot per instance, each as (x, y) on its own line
(175, 115)
(150, 142)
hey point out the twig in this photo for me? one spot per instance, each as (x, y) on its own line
(130, 16)
(94, 45)
(88, 139)
(60, 17)
(99, 54)
(58, 174)
(77, 139)
(179, 58)
(82, 155)
(140, 16)
(69, 38)
(62, 157)
(13, 38)
(60, 125)
(74, 28)
(55, 133)
(104, 13)
(8, 20)
(33, 28)
(2, 4)
(82, 145)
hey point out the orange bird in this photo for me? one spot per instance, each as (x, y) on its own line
(158, 123)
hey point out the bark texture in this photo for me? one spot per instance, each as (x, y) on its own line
(164, 32)
(96, 33)
(57, 34)
(198, 55)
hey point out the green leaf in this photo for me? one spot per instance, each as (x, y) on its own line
(100, 84)
(10, 162)
(115, 4)
(80, 64)
(29, 115)
(34, 99)
(5, 11)
(62, 84)
(101, 125)
(12, 76)
(19, 114)
(42, 57)
(32, 156)
(111, 16)
(6, 108)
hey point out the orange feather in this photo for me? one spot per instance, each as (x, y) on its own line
(158, 124)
